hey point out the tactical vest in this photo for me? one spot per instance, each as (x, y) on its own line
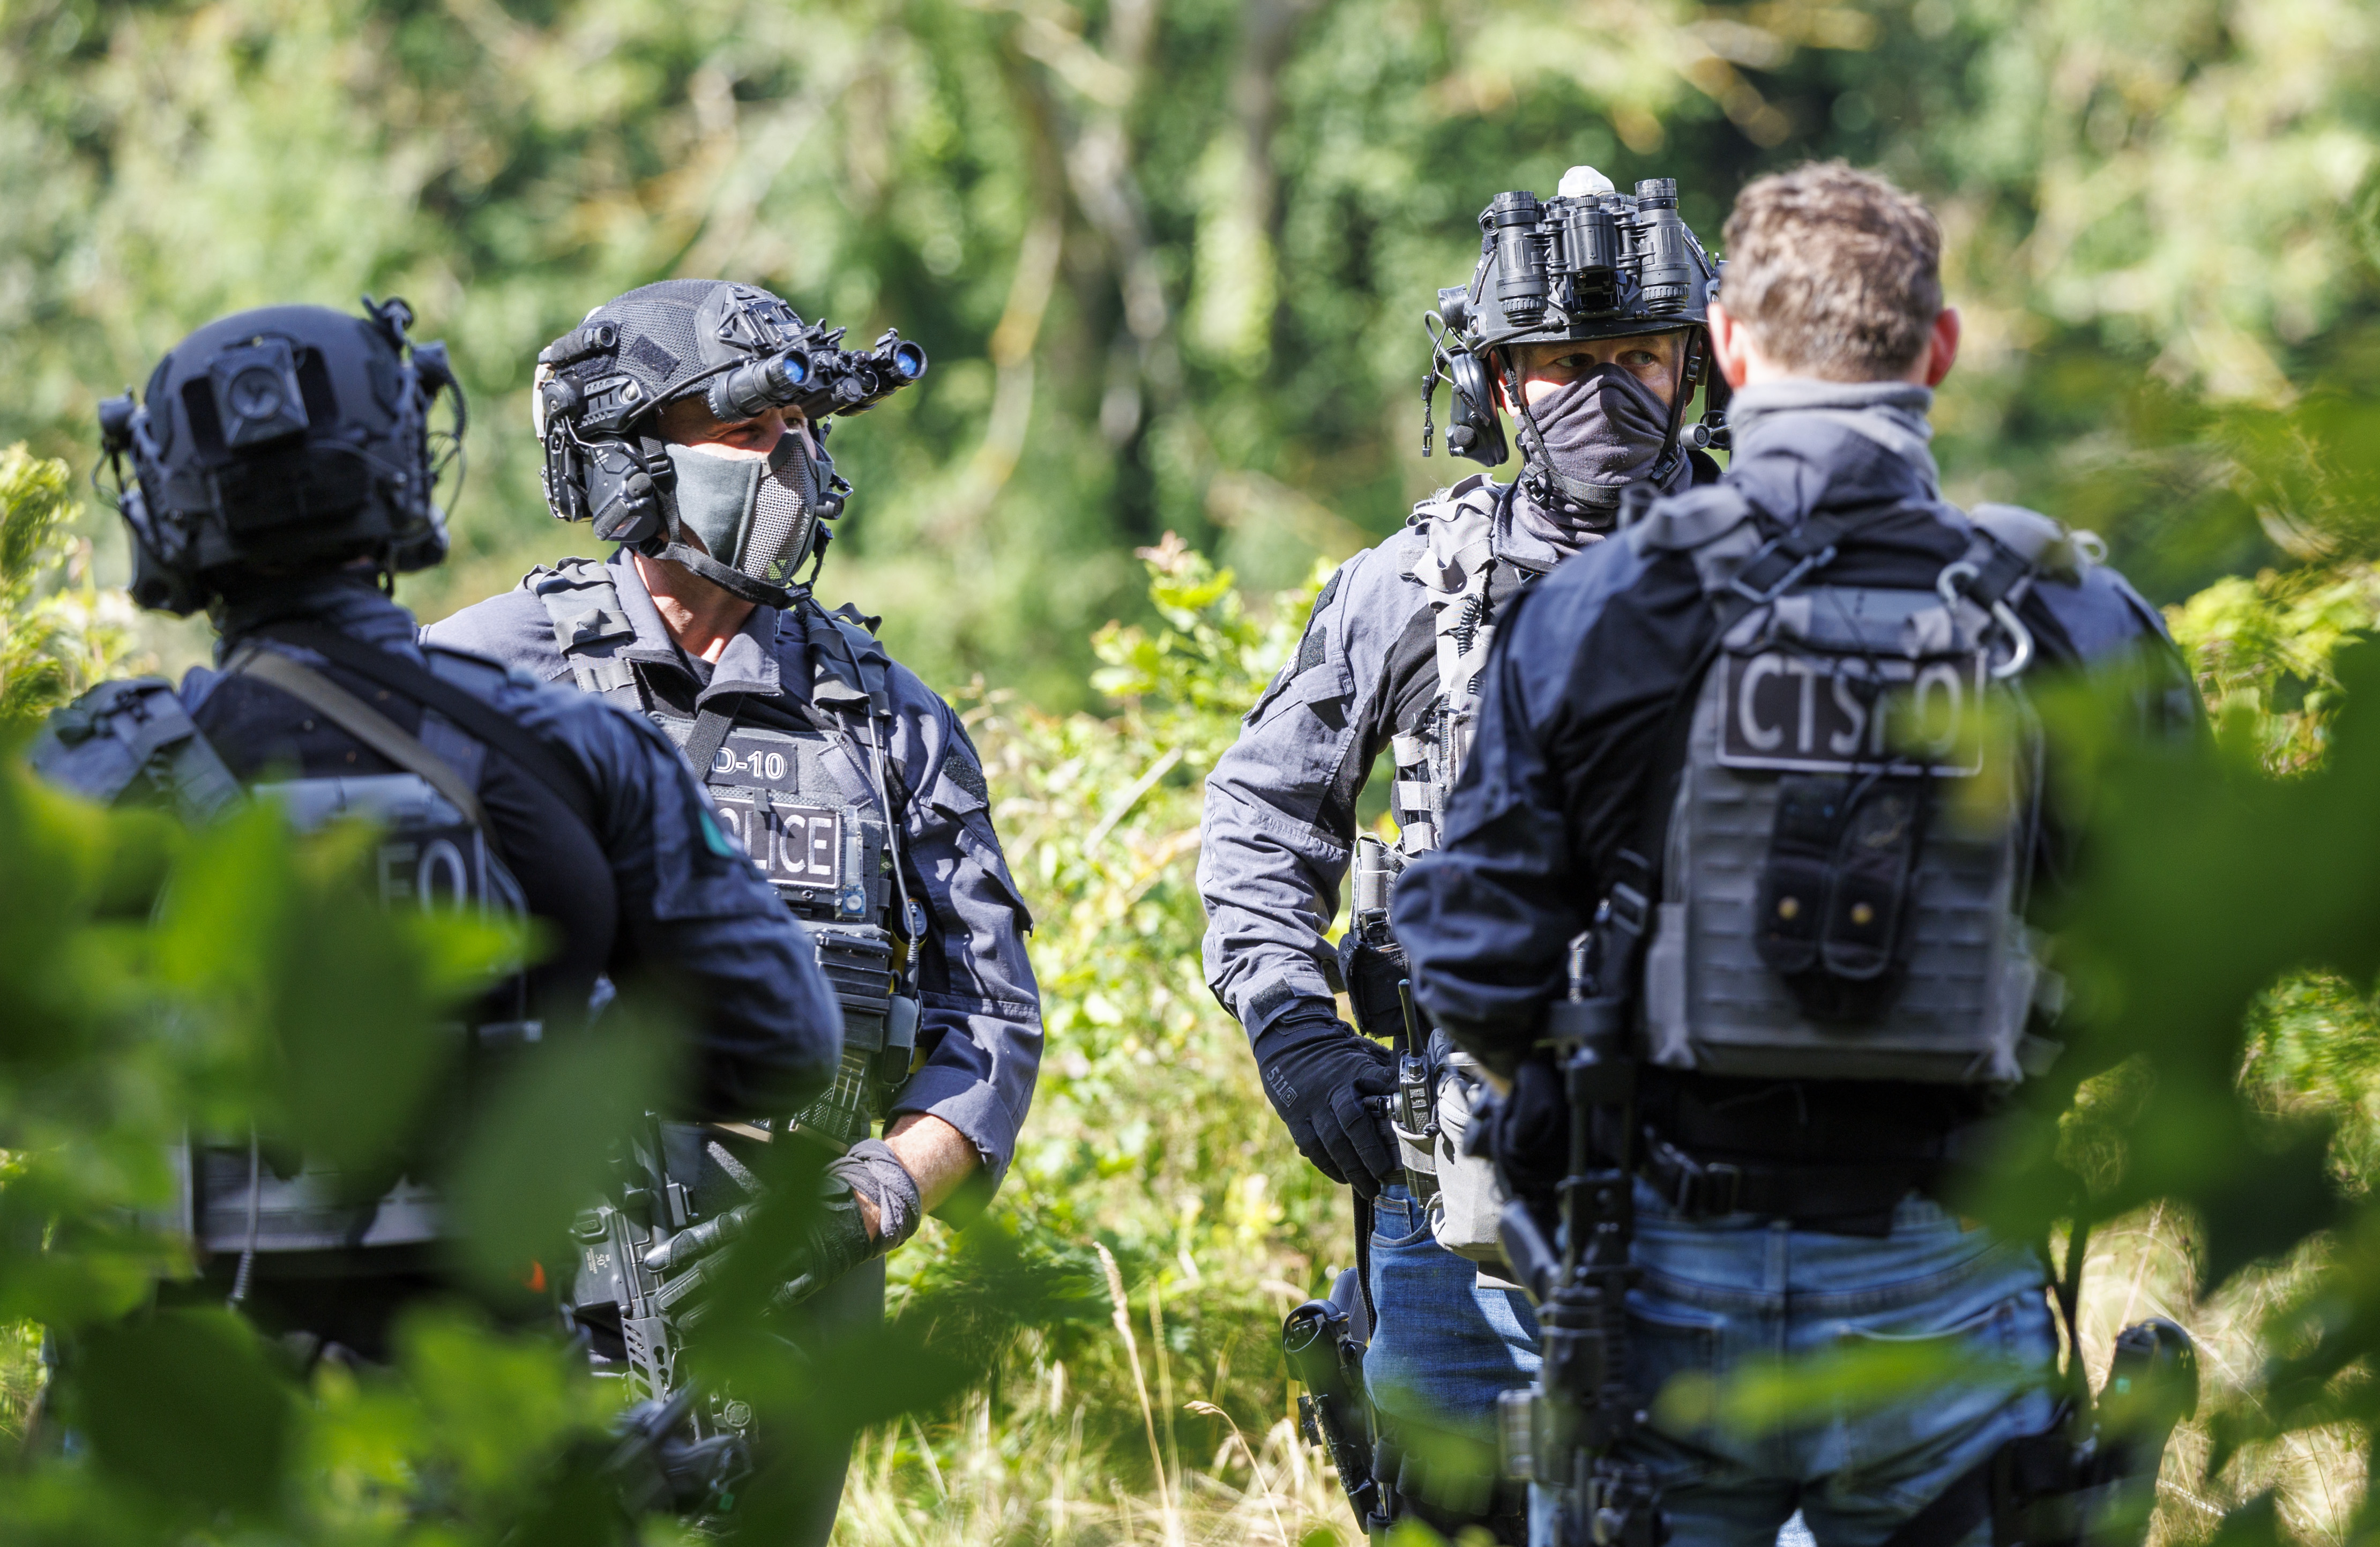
(809, 792)
(135, 740)
(1846, 859)
(1458, 571)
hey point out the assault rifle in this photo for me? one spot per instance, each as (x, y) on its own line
(1561, 1432)
(2091, 1475)
(641, 1258)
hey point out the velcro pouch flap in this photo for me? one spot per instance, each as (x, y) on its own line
(1793, 888)
(1873, 862)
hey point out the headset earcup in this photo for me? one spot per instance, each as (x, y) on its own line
(621, 496)
(1475, 410)
(632, 515)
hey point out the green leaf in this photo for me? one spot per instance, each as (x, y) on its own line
(186, 1406)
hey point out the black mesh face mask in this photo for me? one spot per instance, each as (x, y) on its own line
(758, 517)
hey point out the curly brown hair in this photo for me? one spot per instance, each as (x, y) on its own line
(1837, 272)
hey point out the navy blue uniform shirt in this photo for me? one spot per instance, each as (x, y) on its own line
(980, 1009)
(1580, 683)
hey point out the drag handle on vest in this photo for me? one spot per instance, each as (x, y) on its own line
(1324, 1344)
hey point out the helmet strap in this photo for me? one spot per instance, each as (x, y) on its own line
(731, 580)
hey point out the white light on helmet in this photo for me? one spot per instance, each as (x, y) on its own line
(1581, 181)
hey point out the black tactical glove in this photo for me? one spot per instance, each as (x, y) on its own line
(1529, 1132)
(871, 1170)
(837, 1240)
(1326, 1083)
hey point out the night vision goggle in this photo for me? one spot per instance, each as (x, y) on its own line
(802, 366)
(1590, 262)
(818, 378)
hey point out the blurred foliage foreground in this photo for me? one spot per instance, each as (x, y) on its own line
(1096, 1361)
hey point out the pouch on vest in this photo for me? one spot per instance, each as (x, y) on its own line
(1846, 859)
(1835, 896)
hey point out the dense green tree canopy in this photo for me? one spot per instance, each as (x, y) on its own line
(1169, 257)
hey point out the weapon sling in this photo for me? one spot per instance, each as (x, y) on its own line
(361, 721)
(472, 714)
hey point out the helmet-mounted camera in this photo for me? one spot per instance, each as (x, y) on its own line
(283, 440)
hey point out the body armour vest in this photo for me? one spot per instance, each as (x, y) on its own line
(1459, 571)
(806, 787)
(1846, 860)
(1464, 582)
(134, 741)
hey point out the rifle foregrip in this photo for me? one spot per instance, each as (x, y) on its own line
(698, 1241)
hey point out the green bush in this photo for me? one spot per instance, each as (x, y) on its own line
(59, 632)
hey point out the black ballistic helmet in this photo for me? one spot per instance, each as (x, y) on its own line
(601, 386)
(1588, 264)
(285, 440)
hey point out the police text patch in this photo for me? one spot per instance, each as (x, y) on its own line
(793, 845)
(754, 762)
(1831, 714)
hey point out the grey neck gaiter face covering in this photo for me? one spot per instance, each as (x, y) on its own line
(1602, 433)
(756, 515)
(1893, 414)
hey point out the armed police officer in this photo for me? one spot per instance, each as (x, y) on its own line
(283, 472)
(1598, 376)
(687, 421)
(1756, 780)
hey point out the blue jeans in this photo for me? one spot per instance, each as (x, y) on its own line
(1720, 1293)
(1442, 1346)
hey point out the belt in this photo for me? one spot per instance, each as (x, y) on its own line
(1850, 1198)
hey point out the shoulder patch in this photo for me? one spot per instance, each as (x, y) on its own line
(1311, 649)
(959, 766)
